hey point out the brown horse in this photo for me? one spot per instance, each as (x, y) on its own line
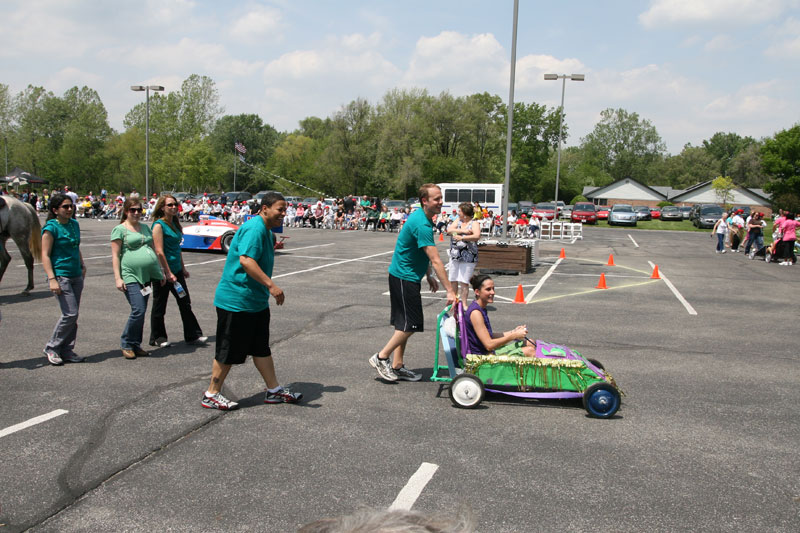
(19, 221)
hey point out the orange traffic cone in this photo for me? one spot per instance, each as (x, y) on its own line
(520, 297)
(441, 237)
(563, 255)
(655, 273)
(610, 260)
(602, 283)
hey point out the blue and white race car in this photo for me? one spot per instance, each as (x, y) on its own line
(212, 233)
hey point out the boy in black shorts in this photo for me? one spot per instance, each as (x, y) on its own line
(242, 302)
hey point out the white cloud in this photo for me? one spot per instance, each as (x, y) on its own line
(187, 55)
(69, 77)
(749, 102)
(458, 62)
(739, 12)
(258, 23)
(721, 43)
(786, 43)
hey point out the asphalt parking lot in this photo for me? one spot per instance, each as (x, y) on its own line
(706, 439)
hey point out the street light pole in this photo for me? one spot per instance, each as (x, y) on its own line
(147, 89)
(563, 78)
(510, 113)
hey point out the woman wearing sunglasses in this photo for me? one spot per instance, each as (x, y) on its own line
(135, 265)
(167, 235)
(63, 263)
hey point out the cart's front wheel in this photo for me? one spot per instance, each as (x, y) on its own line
(466, 391)
(601, 400)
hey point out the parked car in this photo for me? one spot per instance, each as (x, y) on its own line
(706, 215)
(655, 212)
(602, 212)
(228, 198)
(671, 212)
(622, 214)
(182, 196)
(391, 205)
(525, 206)
(310, 200)
(566, 212)
(642, 212)
(294, 200)
(256, 199)
(584, 212)
(686, 211)
(545, 210)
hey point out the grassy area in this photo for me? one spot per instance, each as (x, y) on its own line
(682, 225)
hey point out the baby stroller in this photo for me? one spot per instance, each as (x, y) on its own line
(557, 372)
(770, 257)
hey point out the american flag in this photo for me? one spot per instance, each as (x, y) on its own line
(240, 147)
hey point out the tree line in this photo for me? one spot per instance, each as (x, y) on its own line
(387, 148)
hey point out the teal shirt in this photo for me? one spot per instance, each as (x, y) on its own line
(410, 262)
(138, 260)
(65, 254)
(236, 291)
(172, 245)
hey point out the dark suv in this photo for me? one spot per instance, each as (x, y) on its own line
(705, 215)
(235, 196)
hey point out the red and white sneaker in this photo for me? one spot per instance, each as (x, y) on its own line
(283, 395)
(218, 401)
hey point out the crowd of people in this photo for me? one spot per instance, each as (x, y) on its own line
(733, 231)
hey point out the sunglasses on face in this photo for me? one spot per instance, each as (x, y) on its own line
(66, 206)
(171, 205)
(134, 210)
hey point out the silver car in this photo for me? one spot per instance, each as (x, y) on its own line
(622, 214)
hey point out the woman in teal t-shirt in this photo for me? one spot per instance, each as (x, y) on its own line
(63, 263)
(135, 265)
(167, 235)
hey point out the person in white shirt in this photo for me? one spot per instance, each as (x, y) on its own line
(737, 225)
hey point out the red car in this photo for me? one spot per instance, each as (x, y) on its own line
(545, 210)
(584, 212)
(655, 212)
(602, 212)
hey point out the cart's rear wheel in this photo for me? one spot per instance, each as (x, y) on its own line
(596, 363)
(601, 400)
(466, 391)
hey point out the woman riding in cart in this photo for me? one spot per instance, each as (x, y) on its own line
(481, 340)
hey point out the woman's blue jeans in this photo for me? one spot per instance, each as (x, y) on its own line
(133, 332)
(720, 242)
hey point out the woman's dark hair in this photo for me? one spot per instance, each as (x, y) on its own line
(467, 208)
(477, 280)
(56, 199)
(159, 214)
(130, 202)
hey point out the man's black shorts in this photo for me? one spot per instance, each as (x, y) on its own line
(406, 314)
(241, 334)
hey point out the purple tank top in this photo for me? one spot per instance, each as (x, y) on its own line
(474, 344)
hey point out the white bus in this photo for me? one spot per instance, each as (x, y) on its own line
(489, 195)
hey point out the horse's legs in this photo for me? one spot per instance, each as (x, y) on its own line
(5, 258)
(27, 256)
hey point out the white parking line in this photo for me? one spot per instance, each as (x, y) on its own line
(330, 265)
(32, 422)
(634, 242)
(541, 281)
(677, 294)
(408, 496)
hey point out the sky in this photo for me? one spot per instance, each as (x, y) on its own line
(690, 67)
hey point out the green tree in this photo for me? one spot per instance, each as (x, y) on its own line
(260, 140)
(624, 145)
(780, 157)
(6, 117)
(350, 154)
(723, 187)
(692, 166)
(725, 146)
(746, 168)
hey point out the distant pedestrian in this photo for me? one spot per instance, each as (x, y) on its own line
(63, 263)
(465, 232)
(720, 230)
(788, 237)
(167, 236)
(415, 254)
(242, 302)
(135, 267)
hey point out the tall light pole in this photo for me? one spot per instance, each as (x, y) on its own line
(147, 89)
(507, 181)
(563, 78)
